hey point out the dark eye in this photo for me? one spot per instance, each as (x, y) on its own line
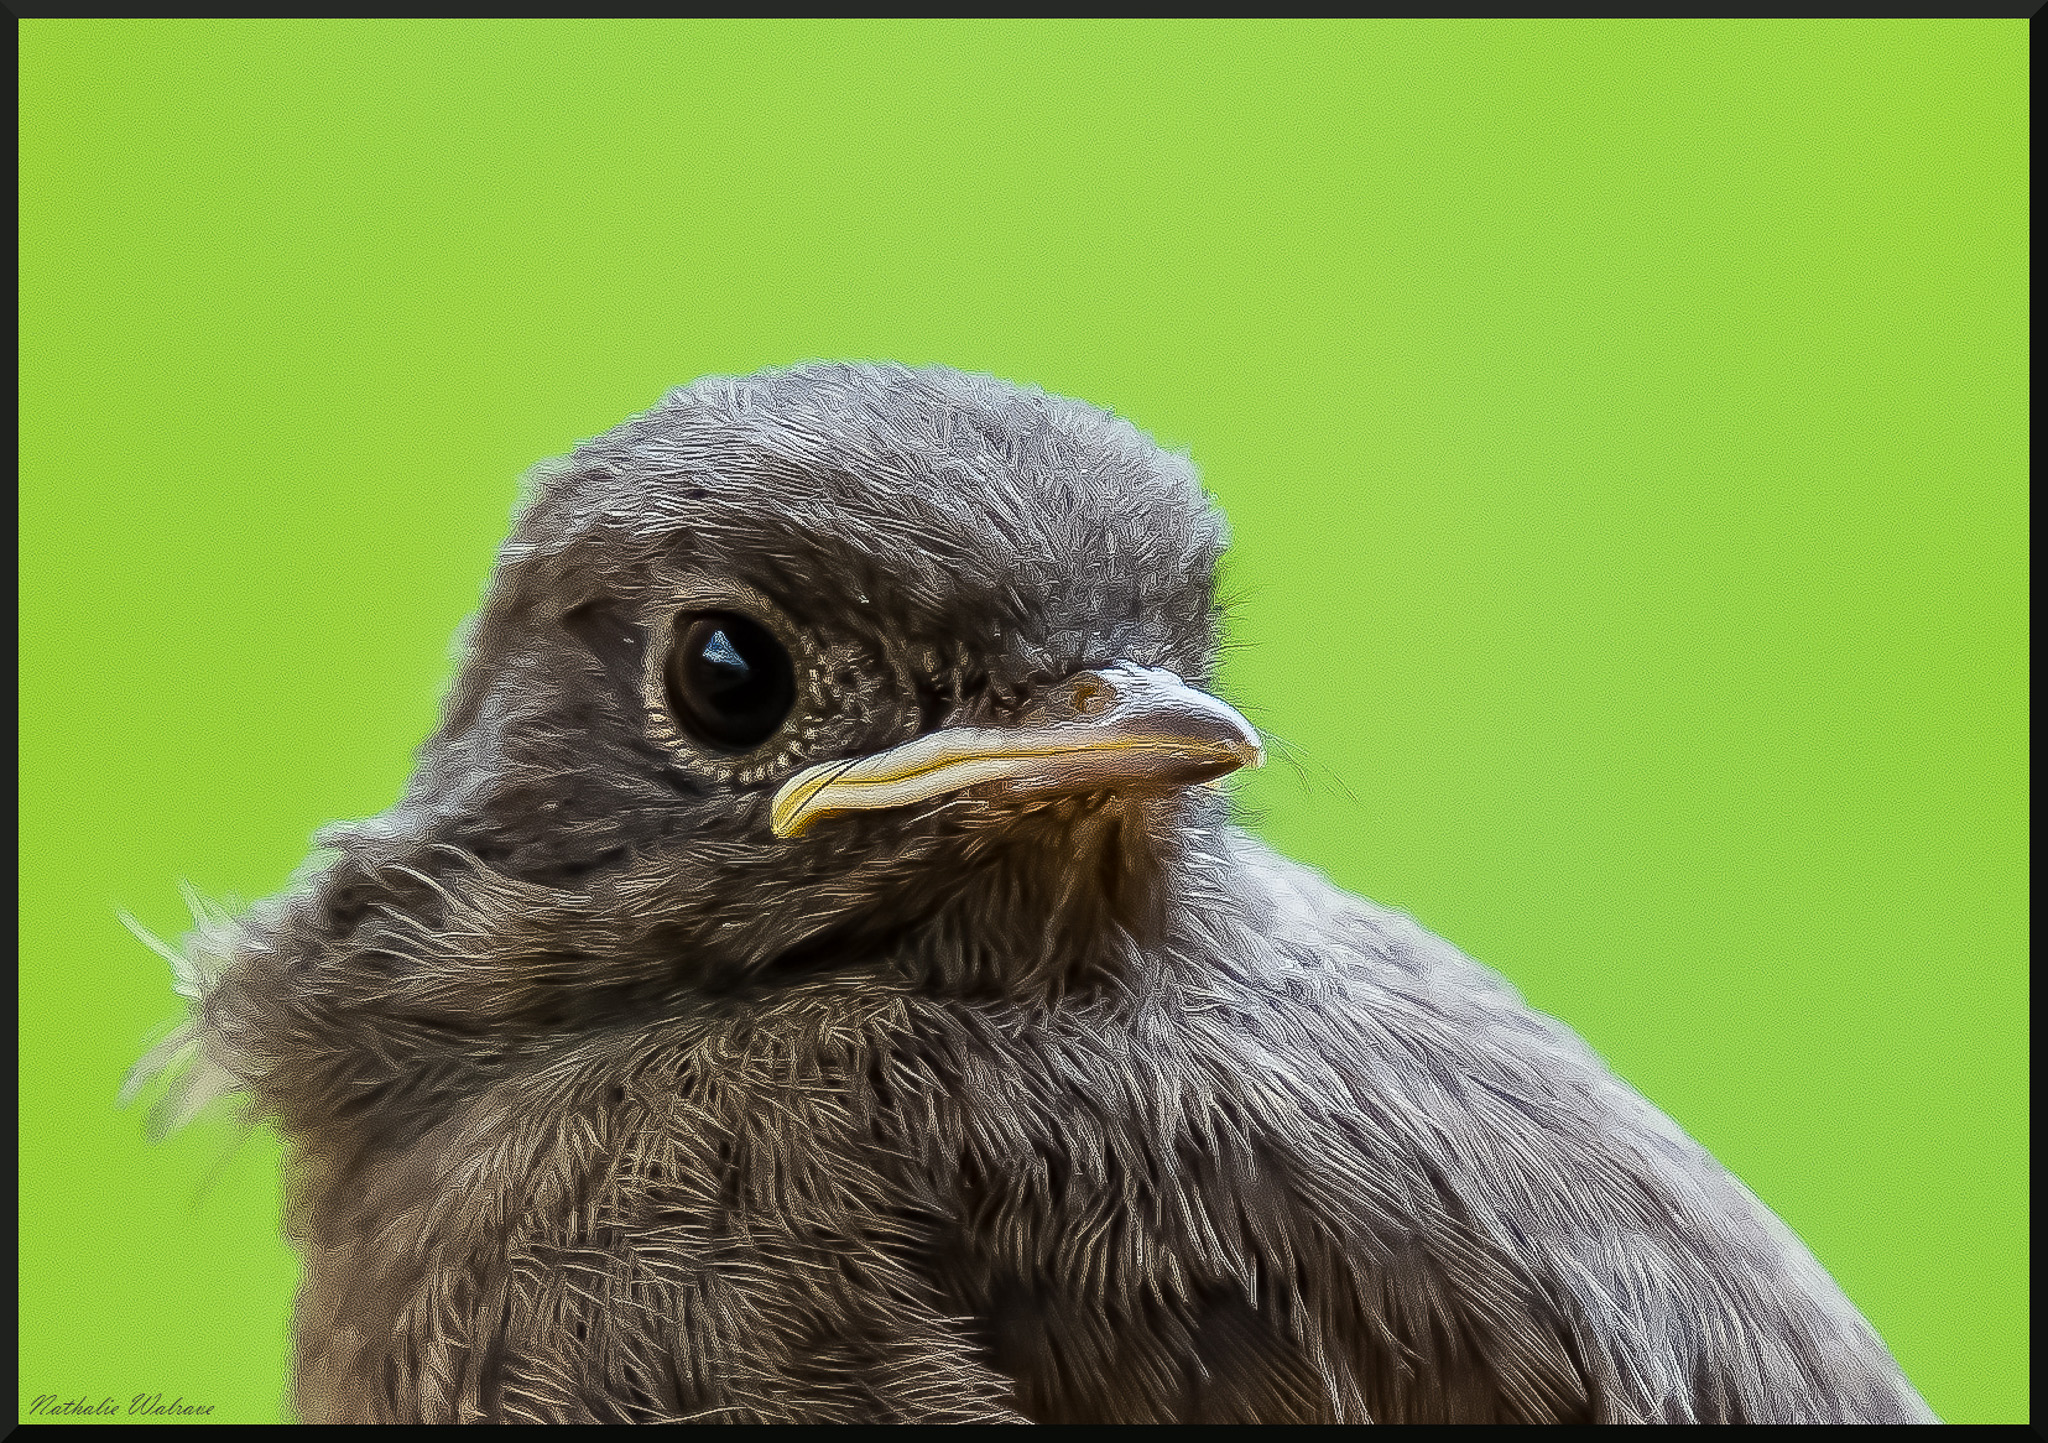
(730, 683)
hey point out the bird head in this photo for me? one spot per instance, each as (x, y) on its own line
(840, 665)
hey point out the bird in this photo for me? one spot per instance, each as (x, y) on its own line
(813, 974)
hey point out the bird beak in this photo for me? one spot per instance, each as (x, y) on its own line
(1121, 728)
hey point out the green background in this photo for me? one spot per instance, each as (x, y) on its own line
(1623, 427)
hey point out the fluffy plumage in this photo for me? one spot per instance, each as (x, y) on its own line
(605, 1102)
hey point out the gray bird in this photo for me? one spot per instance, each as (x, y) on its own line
(805, 980)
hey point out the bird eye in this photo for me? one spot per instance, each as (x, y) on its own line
(730, 683)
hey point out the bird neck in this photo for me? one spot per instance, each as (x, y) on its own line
(396, 987)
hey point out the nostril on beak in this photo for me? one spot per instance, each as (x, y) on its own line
(1092, 695)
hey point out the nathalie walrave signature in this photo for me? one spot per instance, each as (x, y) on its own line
(142, 1405)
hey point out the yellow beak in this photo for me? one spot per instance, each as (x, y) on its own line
(1130, 728)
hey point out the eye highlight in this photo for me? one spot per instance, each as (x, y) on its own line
(730, 683)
